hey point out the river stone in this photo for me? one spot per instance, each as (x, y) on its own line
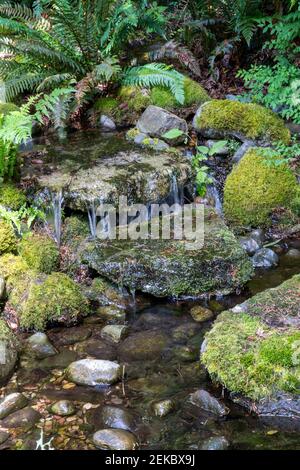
(207, 402)
(98, 349)
(3, 437)
(201, 314)
(11, 403)
(90, 169)
(107, 124)
(114, 333)
(39, 346)
(59, 361)
(63, 408)
(265, 258)
(259, 235)
(144, 345)
(250, 245)
(24, 419)
(157, 121)
(111, 313)
(215, 443)
(291, 258)
(2, 288)
(169, 267)
(69, 336)
(94, 372)
(242, 150)
(114, 417)
(163, 408)
(115, 439)
(8, 359)
(185, 331)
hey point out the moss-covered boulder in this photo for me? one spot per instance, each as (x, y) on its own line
(255, 188)
(8, 352)
(8, 240)
(40, 252)
(226, 118)
(12, 267)
(254, 351)
(167, 268)
(40, 300)
(194, 94)
(6, 108)
(11, 197)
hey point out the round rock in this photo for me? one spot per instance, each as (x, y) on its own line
(94, 372)
(265, 258)
(115, 439)
(114, 333)
(39, 346)
(11, 403)
(201, 314)
(63, 408)
(163, 408)
(114, 417)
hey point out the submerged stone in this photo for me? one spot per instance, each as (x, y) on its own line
(114, 417)
(167, 268)
(63, 408)
(115, 439)
(39, 346)
(215, 443)
(93, 372)
(201, 314)
(207, 402)
(23, 419)
(163, 408)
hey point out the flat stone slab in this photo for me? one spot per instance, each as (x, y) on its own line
(166, 268)
(90, 168)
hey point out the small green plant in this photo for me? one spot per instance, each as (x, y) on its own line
(202, 154)
(281, 153)
(25, 216)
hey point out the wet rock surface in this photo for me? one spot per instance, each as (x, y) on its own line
(94, 372)
(11, 403)
(25, 419)
(39, 346)
(115, 439)
(207, 402)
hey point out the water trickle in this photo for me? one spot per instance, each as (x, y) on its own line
(92, 219)
(176, 193)
(57, 201)
(213, 195)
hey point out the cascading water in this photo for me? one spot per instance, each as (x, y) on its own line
(175, 192)
(57, 202)
(92, 219)
(213, 195)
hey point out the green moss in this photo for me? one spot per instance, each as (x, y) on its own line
(252, 120)
(40, 252)
(11, 266)
(7, 335)
(43, 300)
(8, 240)
(75, 229)
(194, 94)
(248, 357)
(137, 99)
(6, 108)
(107, 105)
(11, 197)
(132, 133)
(254, 189)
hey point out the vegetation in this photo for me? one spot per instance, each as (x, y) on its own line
(8, 240)
(251, 120)
(11, 197)
(50, 299)
(40, 252)
(254, 189)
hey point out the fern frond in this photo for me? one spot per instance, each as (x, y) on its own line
(154, 74)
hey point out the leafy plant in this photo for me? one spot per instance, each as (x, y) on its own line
(24, 216)
(79, 43)
(277, 85)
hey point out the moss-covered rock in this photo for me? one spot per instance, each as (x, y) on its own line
(223, 118)
(40, 252)
(107, 105)
(254, 189)
(137, 99)
(75, 229)
(6, 108)
(194, 93)
(11, 268)
(11, 197)
(8, 351)
(254, 350)
(42, 300)
(8, 240)
(168, 267)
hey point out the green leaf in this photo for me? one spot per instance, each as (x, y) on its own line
(173, 134)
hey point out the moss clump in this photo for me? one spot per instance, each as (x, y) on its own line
(11, 197)
(252, 120)
(47, 299)
(6, 108)
(107, 105)
(40, 252)
(12, 266)
(193, 91)
(75, 229)
(8, 240)
(248, 357)
(137, 99)
(254, 189)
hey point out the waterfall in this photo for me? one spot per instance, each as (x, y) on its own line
(57, 201)
(92, 219)
(176, 192)
(213, 194)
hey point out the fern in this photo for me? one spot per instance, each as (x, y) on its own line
(156, 75)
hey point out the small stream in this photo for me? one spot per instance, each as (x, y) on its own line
(161, 361)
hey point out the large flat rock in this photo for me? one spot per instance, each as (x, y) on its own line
(166, 268)
(90, 168)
